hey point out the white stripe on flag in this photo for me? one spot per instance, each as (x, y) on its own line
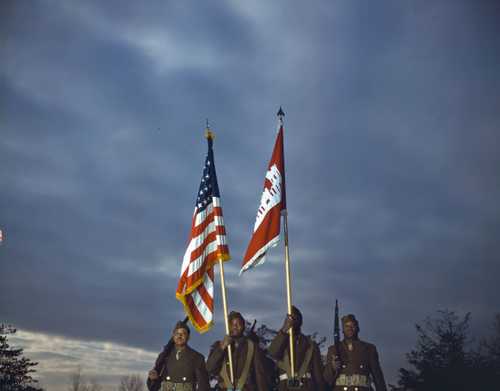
(202, 308)
(196, 264)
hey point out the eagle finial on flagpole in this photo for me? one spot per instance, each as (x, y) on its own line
(281, 114)
(208, 132)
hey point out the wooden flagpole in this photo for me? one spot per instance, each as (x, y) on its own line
(284, 212)
(226, 321)
(288, 290)
(210, 135)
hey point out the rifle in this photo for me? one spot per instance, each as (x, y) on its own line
(161, 362)
(252, 334)
(336, 334)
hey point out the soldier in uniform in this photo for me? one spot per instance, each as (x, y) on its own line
(356, 364)
(307, 358)
(248, 362)
(179, 368)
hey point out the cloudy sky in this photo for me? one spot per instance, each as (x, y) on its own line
(392, 158)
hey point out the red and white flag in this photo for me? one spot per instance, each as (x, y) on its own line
(266, 231)
(207, 245)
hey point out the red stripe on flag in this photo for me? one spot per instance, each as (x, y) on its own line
(209, 301)
(198, 230)
(210, 260)
(211, 237)
(195, 314)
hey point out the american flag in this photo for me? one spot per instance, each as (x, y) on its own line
(207, 245)
(266, 231)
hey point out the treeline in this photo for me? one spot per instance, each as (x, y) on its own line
(446, 357)
(79, 382)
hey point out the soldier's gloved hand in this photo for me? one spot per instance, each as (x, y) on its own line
(288, 323)
(153, 375)
(226, 342)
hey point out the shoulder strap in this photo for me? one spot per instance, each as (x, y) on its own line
(224, 374)
(246, 368)
(307, 358)
(248, 362)
(284, 364)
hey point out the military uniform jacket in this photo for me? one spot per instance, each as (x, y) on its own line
(362, 360)
(279, 349)
(256, 380)
(188, 366)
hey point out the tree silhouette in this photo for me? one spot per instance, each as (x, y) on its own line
(79, 382)
(263, 335)
(15, 370)
(486, 359)
(492, 347)
(131, 383)
(444, 360)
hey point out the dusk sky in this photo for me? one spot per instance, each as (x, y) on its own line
(392, 152)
